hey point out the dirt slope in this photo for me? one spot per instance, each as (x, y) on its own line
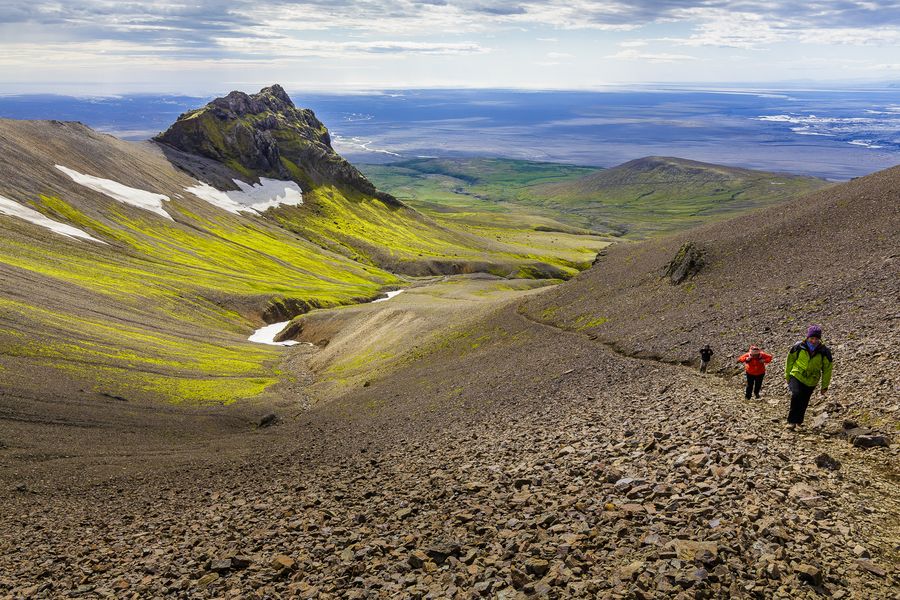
(537, 462)
(831, 258)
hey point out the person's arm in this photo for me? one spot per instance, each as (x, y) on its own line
(826, 372)
(742, 357)
(789, 364)
(767, 358)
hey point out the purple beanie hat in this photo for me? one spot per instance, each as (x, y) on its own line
(814, 331)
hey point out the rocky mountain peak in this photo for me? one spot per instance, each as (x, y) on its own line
(264, 135)
(272, 99)
(277, 92)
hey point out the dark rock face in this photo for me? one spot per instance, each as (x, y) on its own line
(267, 420)
(687, 263)
(265, 135)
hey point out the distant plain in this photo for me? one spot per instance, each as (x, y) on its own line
(836, 133)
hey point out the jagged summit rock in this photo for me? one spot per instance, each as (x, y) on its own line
(263, 135)
(273, 99)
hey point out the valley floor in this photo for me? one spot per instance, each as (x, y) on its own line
(531, 463)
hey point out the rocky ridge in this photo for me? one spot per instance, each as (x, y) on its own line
(263, 134)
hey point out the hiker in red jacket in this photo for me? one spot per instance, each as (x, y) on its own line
(755, 362)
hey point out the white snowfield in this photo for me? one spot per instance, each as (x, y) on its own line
(266, 335)
(259, 198)
(122, 193)
(14, 209)
(389, 296)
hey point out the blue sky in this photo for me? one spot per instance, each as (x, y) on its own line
(208, 46)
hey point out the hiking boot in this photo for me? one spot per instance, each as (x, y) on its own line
(791, 427)
(757, 397)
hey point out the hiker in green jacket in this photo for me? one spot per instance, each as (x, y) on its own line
(807, 362)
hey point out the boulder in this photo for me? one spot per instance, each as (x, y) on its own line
(691, 551)
(283, 563)
(417, 559)
(809, 574)
(440, 552)
(687, 262)
(221, 565)
(871, 441)
(537, 567)
(828, 462)
(207, 579)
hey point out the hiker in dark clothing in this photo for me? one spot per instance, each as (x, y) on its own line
(807, 362)
(754, 362)
(705, 354)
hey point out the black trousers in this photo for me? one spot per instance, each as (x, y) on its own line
(800, 395)
(754, 384)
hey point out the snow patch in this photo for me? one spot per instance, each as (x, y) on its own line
(266, 335)
(14, 209)
(208, 193)
(389, 296)
(122, 193)
(268, 193)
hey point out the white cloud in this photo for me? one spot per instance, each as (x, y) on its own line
(293, 48)
(343, 41)
(733, 30)
(653, 57)
(750, 30)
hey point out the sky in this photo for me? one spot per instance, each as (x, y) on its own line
(208, 46)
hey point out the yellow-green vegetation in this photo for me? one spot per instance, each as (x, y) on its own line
(586, 322)
(134, 358)
(209, 259)
(165, 309)
(404, 240)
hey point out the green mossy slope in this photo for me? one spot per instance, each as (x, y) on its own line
(638, 199)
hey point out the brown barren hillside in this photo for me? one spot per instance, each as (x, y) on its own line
(831, 258)
(465, 440)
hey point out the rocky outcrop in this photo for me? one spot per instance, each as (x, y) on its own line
(266, 135)
(687, 262)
